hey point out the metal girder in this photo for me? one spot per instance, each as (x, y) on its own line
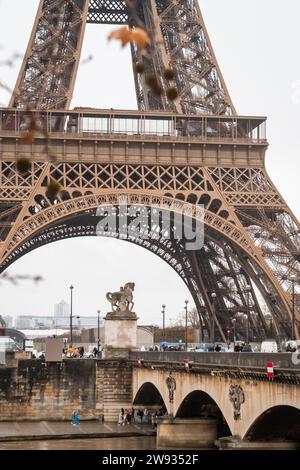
(47, 76)
(179, 40)
(108, 12)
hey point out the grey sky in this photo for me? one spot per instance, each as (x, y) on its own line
(257, 45)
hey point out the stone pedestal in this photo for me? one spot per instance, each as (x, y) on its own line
(120, 334)
(186, 433)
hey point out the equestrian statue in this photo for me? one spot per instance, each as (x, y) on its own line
(122, 301)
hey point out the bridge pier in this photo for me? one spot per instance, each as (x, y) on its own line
(115, 387)
(186, 433)
(233, 443)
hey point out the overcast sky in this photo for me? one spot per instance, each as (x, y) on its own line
(257, 45)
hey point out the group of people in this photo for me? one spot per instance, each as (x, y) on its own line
(72, 351)
(125, 416)
(78, 352)
(242, 347)
(138, 416)
(238, 347)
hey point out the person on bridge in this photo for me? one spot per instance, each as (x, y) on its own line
(247, 348)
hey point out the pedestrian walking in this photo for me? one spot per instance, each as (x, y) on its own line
(140, 413)
(121, 417)
(75, 418)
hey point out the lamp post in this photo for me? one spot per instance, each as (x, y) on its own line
(234, 332)
(271, 327)
(293, 278)
(71, 316)
(246, 318)
(186, 324)
(98, 311)
(163, 313)
(248, 290)
(214, 296)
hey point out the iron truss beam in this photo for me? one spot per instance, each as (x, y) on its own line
(108, 12)
(179, 41)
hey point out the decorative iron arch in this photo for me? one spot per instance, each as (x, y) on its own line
(45, 226)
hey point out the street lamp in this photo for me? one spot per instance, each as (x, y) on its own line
(248, 290)
(234, 332)
(186, 324)
(246, 318)
(98, 311)
(163, 312)
(271, 327)
(293, 278)
(214, 296)
(71, 316)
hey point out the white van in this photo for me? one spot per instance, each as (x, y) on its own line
(269, 346)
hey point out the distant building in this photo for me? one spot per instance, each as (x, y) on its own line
(24, 322)
(29, 322)
(8, 321)
(39, 322)
(62, 309)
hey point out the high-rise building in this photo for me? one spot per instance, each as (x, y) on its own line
(62, 309)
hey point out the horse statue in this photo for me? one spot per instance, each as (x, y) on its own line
(122, 300)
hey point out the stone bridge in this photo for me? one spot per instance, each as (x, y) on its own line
(224, 395)
(231, 389)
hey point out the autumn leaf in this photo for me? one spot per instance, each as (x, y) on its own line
(121, 34)
(30, 136)
(53, 188)
(169, 74)
(34, 123)
(139, 67)
(126, 35)
(154, 83)
(23, 165)
(140, 37)
(172, 93)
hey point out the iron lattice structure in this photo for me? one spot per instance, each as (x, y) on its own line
(181, 42)
(193, 151)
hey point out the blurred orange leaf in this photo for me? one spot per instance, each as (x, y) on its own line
(126, 35)
(29, 136)
(140, 37)
(122, 34)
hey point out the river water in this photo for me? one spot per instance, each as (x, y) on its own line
(122, 443)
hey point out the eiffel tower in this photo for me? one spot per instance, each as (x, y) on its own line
(194, 149)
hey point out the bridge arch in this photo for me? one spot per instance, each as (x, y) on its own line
(278, 422)
(199, 404)
(148, 396)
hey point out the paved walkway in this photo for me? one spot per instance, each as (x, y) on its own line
(44, 430)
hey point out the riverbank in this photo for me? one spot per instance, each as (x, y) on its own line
(53, 430)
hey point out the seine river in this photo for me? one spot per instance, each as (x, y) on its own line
(122, 443)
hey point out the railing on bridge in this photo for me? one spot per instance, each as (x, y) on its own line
(134, 123)
(227, 360)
